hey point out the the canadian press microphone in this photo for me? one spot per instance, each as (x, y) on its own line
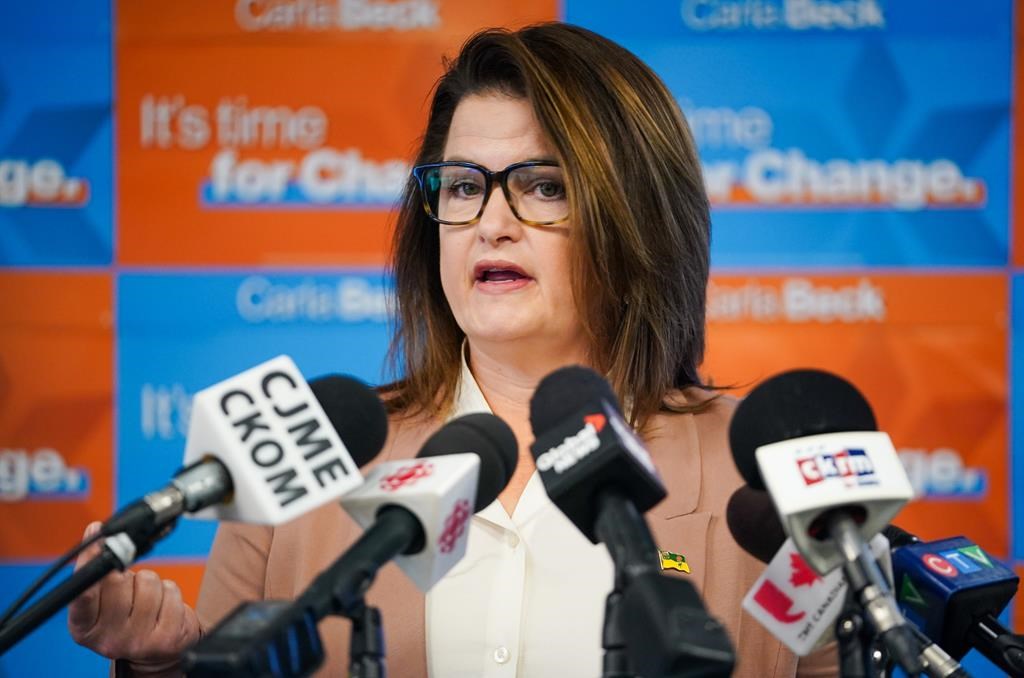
(262, 447)
(415, 512)
(795, 603)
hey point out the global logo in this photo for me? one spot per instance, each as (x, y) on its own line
(575, 447)
(852, 467)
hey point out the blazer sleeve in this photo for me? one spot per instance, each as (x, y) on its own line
(236, 571)
(820, 663)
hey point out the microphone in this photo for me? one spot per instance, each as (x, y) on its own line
(460, 470)
(808, 437)
(754, 524)
(260, 449)
(954, 591)
(598, 473)
(415, 511)
(796, 604)
(266, 447)
(586, 454)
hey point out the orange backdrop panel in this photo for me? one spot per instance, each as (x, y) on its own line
(56, 348)
(928, 352)
(186, 82)
(188, 576)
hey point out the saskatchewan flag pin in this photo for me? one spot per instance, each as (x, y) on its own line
(673, 561)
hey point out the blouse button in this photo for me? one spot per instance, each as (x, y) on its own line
(502, 655)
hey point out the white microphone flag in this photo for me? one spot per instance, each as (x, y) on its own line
(440, 491)
(799, 606)
(267, 427)
(807, 476)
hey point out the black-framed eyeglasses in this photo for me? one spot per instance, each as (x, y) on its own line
(455, 193)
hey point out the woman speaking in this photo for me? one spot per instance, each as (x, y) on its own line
(556, 215)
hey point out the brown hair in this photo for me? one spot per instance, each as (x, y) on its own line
(641, 220)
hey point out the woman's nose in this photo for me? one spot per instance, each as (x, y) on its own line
(498, 221)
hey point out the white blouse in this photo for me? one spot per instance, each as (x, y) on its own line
(528, 598)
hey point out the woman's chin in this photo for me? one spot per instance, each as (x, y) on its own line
(501, 328)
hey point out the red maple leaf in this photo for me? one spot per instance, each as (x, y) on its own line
(803, 575)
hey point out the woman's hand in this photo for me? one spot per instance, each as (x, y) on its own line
(134, 616)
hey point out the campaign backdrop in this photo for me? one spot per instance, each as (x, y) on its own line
(188, 189)
(56, 193)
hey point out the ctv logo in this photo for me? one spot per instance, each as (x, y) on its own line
(575, 447)
(956, 562)
(854, 467)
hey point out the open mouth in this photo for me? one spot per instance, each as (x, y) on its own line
(499, 276)
(500, 273)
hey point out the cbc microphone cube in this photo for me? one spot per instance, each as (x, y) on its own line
(440, 491)
(808, 476)
(267, 427)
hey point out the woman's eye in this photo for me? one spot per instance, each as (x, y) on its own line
(464, 189)
(549, 189)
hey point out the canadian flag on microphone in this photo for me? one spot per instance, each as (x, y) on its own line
(797, 604)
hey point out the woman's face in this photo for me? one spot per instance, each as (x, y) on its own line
(506, 281)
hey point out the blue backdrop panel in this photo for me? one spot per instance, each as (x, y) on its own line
(838, 133)
(49, 650)
(55, 134)
(183, 332)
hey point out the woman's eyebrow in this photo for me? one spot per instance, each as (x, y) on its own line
(540, 158)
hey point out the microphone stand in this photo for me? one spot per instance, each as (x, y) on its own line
(614, 527)
(637, 638)
(366, 648)
(616, 662)
(118, 552)
(869, 597)
(1005, 650)
(857, 644)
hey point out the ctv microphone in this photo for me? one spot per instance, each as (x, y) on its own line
(810, 438)
(596, 470)
(416, 512)
(954, 591)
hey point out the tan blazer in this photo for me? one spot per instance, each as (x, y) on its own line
(692, 454)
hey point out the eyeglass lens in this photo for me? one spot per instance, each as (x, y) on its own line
(456, 194)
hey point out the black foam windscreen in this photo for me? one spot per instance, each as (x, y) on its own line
(898, 537)
(793, 405)
(489, 438)
(562, 394)
(754, 524)
(355, 412)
